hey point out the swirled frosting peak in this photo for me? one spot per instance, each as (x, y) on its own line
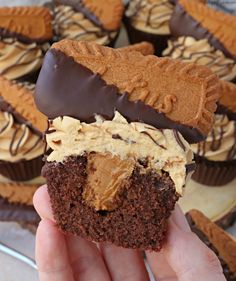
(201, 52)
(150, 16)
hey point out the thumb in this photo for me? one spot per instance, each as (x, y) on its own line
(188, 256)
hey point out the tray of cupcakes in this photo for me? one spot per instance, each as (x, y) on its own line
(129, 126)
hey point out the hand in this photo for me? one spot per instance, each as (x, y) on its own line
(63, 257)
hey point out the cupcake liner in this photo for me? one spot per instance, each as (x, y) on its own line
(23, 170)
(214, 173)
(135, 36)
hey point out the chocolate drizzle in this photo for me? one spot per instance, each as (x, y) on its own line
(160, 145)
(212, 58)
(182, 24)
(62, 16)
(179, 141)
(81, 94)
(149, 22)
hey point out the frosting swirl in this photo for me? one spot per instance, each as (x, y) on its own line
(18, 59)
(201, 52)
(72, 24)
(161, 149)
(220, 144)
(17, 141)
(150, 16)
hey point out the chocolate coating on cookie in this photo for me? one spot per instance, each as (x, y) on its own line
(82, 94)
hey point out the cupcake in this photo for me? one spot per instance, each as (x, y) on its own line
(87, 20)
(198, 20)
(24, 36)
(219, 241)
(216, 156)
(189, 49)
(21, 127)
(120, 139)
(148, 20)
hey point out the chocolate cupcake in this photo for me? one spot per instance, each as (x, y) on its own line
(189, 49)
(198, 20)
(120, 154)
(21, 127)
(88, 20)
(219, 241)
(148, 20)
(216, 156)
(24, 36)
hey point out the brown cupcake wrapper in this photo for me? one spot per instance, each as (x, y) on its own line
(214, 173)
(23, 170)
(159, 41)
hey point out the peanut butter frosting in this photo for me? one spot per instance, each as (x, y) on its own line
(17, 141)
(150, 16)
(220, 144)
(72, 24)
(163, 150)
(18, 59)
(201, 52)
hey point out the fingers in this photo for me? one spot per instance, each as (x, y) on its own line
(51, 254)
(160, 267)
(86, 260)
(124, 264)
(42, 203)
(187, 255)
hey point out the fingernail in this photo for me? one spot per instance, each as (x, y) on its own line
(179, 219)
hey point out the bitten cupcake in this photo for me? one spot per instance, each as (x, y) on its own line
(24, 36)
(216, 156)
(148, 20)
(198, 20)
(120, 138)
(21, 127)
(189, 49)
(88, 20)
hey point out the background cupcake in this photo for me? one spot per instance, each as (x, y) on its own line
(97, 21)
(24, 36)
(148, 20)
(216, 156)
(21, 127)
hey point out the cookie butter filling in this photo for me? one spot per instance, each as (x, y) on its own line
(114, 149)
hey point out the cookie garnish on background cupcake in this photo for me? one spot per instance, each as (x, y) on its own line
(88, 20)
(196, 19)
(125, 162)
(24, 36)
(219, 241)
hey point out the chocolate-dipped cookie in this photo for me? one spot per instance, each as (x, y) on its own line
(24, 36)
(148, 20)
(88, 20)
(220, 242)
(216, 156)
(21, 128)
(127, 158)
(197, 19)
(189, 49)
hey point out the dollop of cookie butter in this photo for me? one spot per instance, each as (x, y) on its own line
(114, 148)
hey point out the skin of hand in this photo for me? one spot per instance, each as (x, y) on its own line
(63, 257)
